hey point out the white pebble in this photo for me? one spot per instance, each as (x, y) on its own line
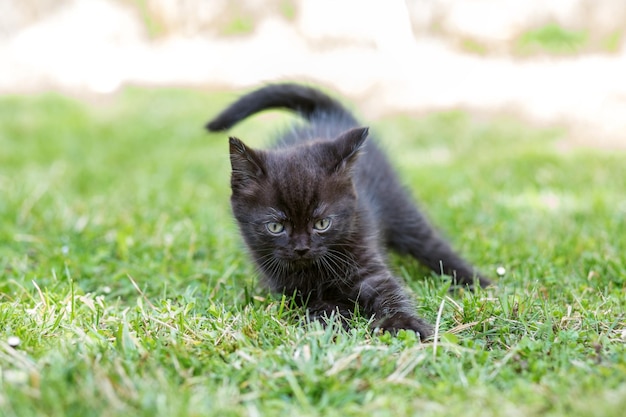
(13, 341)
(500, 271)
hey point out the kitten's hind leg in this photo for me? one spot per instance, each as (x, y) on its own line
(408, 232)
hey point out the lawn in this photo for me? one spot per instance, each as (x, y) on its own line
(124, 280)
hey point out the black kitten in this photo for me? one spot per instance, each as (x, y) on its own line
(318, 211)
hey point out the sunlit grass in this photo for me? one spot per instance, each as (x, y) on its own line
(552, 38)
(124, 279)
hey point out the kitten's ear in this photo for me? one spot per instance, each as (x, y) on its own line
(348, 145)
(247, 164)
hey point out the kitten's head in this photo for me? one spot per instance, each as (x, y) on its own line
(295, 205)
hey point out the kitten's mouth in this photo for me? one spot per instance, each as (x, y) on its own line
(301, 262)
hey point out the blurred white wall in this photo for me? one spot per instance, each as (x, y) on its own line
(414, 55)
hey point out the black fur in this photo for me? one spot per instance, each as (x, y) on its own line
(326, 172)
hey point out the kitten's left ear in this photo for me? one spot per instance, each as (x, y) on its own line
(348, 145)
(247, 164)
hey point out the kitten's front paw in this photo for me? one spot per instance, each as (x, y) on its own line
(403, 321)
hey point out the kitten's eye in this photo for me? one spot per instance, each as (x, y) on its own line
(274, 228)
(322, 225)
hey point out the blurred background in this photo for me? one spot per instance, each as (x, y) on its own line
(560, 62)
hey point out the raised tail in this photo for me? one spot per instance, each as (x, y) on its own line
(305, 101)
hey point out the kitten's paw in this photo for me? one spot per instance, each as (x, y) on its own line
(407, 322)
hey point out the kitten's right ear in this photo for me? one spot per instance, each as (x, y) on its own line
(348, 145)
(247, 164)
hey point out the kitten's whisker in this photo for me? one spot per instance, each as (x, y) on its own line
(328, 269)
(342, 257)
(340, 270)
(333, 276)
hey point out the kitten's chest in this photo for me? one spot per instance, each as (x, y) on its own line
(318, 281)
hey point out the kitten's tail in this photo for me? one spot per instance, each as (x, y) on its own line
(305, 101)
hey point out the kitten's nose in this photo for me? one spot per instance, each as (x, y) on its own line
(301, 251)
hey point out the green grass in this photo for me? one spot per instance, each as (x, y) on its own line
(473, 46)
(152, 23)
(239, 24)
(552, 38)
(123, 276)
(556, 40)
(612, 42)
